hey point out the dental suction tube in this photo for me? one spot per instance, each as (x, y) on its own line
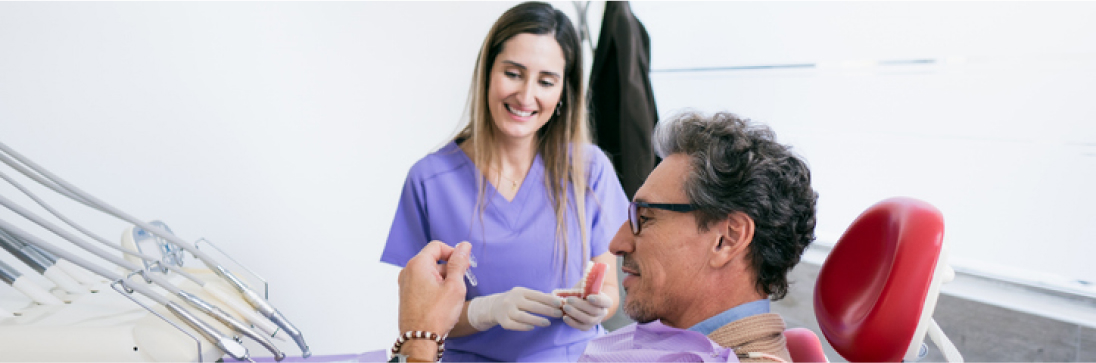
(225, 343)
(78, 195)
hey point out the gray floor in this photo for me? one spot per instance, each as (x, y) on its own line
(981, 332)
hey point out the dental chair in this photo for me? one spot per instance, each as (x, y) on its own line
(877, 290)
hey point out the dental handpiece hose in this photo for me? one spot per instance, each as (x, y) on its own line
(41, 264)
(229, 299)
(84, 277)
(213, 311)
(226, 344)
(76, 226)
(75, 193)
(13, 277)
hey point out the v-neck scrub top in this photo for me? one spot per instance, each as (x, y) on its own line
(514, 243)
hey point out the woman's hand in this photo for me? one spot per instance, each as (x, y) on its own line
(583, 314)
(516, 309)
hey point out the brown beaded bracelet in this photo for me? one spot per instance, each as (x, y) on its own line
(416, 334)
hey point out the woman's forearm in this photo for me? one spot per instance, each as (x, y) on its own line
(463, 327)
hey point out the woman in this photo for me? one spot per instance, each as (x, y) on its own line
(523, 184)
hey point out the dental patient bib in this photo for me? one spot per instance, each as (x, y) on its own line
(655, 342)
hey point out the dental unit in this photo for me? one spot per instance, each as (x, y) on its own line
(36, 293)
(228, 345)
(74, 272)
(41, 264)
(268, 319)
(133, 254)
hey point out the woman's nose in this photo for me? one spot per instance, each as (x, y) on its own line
(527, 94)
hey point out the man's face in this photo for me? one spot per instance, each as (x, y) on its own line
(662, 264)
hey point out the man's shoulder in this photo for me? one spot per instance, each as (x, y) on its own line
(761, 333)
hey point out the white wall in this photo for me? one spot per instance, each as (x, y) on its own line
(999, 133)
(280, 130)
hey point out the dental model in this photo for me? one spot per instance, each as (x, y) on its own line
(590, 284)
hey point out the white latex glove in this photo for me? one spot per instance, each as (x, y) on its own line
(514, 309)
(583, 314)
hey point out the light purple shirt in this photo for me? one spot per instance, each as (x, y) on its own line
(654, 342)
(514, 243)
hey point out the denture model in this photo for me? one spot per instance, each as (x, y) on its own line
(590, 284)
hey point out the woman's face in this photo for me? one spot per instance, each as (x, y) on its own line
(525, 85)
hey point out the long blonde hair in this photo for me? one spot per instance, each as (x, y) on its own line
(561, 142)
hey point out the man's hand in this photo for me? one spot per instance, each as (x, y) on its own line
(432, 295)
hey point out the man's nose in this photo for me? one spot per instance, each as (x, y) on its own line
(623, 242)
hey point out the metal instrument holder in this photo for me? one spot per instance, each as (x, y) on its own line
(167, 255)
(266, 285)
(121, 288)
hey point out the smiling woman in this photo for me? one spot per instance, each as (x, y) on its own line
(521, 182)
(525, 88)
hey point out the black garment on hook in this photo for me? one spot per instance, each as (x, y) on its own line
(622, 104)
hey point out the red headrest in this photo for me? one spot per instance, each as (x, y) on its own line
(871, 289)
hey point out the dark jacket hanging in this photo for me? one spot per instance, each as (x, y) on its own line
(622, 104)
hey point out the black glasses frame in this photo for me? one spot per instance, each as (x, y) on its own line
(633, 212)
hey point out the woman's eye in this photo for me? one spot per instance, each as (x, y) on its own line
(512, 75)
(643, 220)
(547, 83)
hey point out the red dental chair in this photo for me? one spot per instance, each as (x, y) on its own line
(877, 290)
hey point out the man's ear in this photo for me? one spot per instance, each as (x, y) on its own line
(733, 238)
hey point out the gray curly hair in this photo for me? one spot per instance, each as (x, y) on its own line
(737, 166)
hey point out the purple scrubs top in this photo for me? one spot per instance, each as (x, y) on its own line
(514, 244)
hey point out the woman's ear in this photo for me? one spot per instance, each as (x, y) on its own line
(733, 237)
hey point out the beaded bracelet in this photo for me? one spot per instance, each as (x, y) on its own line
(415, 334)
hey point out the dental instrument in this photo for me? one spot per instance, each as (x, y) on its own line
(82, 276)
(36, 293)
(191, 299)
(74, 225)
(41, 264)
(225, 343)
(132, 254)
(134, 237)
(468, 273)
(57, 184)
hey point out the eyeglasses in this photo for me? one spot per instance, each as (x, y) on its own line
(633, 212)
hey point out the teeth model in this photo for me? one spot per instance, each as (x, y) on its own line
(590, 284)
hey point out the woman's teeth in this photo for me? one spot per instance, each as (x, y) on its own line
(519, 113)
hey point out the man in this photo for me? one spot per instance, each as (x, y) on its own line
(712, 234)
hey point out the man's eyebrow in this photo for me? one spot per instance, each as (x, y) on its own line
(522, 66)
